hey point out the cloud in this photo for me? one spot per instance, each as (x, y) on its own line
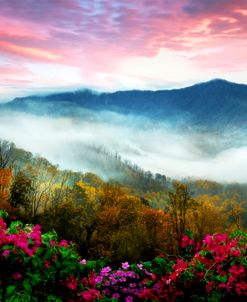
(163, 148)
(30, 52)
(100, 36)
(195, 7)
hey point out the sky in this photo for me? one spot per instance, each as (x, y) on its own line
(53, 45)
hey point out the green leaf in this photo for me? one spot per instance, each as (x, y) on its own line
(11, 290)
(4, 213)
(189, 233)
(52, 298)
(15, 224)
(222, 279)
(35, 279)
(27, 286)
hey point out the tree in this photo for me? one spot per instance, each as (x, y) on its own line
(234, 212)
(179, 204)
(207, 217)
(5, 184)
(21, 191)
(6, 154)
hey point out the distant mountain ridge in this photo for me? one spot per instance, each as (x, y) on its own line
(214, 103)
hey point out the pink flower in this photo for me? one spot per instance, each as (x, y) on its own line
(91, 295)
(140, 266)
(63, 243)
(36, 234)
(209, 286)
(2, 224)
(207, 239)
(71, 282)
(129, 299)
(116, 296)
(105, 271)
(52, 243)
(125, 265)
(186, 241)
(236, 253)
(5, 253)
(83, 262)
(47, 263)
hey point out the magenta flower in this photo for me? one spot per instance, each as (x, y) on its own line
(5, 253)
(63, 242)
(105, 271)
(52, 243)
(71, 282)
(116, 296)
(125, 265)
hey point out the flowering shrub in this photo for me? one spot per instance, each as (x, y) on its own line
(37, 267)
(217, 271)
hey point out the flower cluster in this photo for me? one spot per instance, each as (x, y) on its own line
(37, 267)
(121, 283)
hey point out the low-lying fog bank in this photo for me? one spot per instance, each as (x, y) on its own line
(163, 147)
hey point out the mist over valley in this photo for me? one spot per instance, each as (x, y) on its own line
(197, 131)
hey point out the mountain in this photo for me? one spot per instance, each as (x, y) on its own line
(210, 104)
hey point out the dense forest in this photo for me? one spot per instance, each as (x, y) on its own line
(132, 215)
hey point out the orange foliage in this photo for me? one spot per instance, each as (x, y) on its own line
(5, 183)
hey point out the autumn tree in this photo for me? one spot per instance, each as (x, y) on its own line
(5, 184)
(156, 226)
(120, 229)
(127, 227)
(21, 191)
(234, 211)
(179, 204)
(208, 217)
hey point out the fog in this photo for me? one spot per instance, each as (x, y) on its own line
(164, 148)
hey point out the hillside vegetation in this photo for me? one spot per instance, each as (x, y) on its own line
(137, 218)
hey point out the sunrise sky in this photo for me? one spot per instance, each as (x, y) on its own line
(48, 45)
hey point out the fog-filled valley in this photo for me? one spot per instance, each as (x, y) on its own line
(181, 144)
(162, 147)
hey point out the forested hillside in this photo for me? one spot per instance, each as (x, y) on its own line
(138, 215)
(195, 105)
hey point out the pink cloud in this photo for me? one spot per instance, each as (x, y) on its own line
(138, 28)
(96, 35)
(30, 52)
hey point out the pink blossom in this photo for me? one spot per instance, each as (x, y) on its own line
(105, 271)
(83, 262)
(47, 263)
(125, 265)
(52, 243)
(63, 243)
(5, 253)
(71, 282)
